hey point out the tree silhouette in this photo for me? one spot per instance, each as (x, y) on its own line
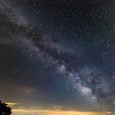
(4, 109)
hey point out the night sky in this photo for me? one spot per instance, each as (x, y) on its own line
(58, 54)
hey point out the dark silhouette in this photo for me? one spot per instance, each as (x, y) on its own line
(4, 109)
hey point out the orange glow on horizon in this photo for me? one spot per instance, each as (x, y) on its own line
(55, 112)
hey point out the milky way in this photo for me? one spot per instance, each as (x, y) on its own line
(84, 62)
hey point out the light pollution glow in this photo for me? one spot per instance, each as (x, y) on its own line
(55, 111)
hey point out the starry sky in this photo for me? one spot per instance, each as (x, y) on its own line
(58, 56)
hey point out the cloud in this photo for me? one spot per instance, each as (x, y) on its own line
(11, 104)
